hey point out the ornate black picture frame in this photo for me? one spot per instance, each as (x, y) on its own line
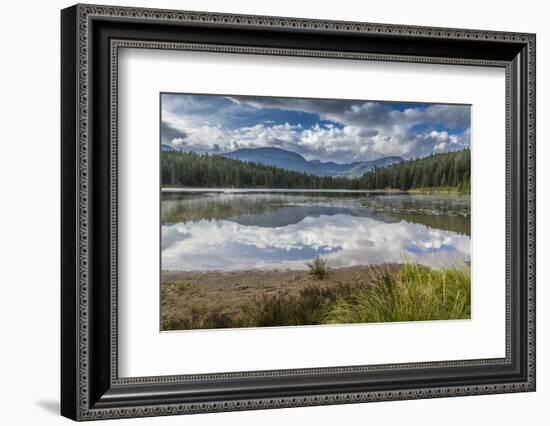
(91, 36)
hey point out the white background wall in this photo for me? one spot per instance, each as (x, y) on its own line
(29, 212)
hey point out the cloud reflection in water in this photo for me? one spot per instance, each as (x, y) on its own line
(345, 239)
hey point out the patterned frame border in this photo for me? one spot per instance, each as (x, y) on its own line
(116, 45)
(87, 12)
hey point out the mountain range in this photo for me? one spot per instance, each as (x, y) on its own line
(284, 159)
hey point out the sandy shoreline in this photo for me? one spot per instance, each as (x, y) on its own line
(225, 293)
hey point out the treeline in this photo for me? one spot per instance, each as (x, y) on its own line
(450, 170)
(193, 170)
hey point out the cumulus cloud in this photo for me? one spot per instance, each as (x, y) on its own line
(169, 133)
(369, 113)
(328, 130)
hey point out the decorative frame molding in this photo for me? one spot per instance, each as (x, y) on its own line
(91, 388)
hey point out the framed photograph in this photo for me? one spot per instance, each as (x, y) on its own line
(263, 212)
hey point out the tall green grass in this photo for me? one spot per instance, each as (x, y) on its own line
(415, 293)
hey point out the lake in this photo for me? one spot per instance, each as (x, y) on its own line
(231, 230)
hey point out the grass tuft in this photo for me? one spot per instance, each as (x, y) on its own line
(318, 267)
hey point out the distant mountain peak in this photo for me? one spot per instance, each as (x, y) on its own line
(278, 157)
(269, 150)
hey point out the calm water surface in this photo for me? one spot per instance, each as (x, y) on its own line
(232, 230)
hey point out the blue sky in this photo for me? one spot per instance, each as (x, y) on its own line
(318, 129)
